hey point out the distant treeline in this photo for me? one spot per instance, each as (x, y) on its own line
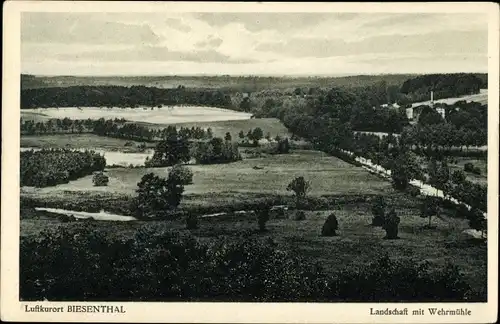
(223, 82)
(117, 96)
(118, 128)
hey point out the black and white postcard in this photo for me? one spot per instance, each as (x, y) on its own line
(250, 162)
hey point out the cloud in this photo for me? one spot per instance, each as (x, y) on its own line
(437, 43)
(178, 24)
(282, 22)
(396, 19)
(212, 42)
(82, 28)
(266, 43)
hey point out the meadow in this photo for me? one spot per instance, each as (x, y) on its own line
(327, 175)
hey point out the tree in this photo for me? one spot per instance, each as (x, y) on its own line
(283, 146)
(241, 135)
(100, 179)
(171, 151)
(477, 221)
(210, 134)
(156, 195)
(181, 174)
(257, 135)
(430, 116)
(262, 218)
(300, 187)
(245, 104)
(330, 226)
(404, 169)
(391, 224)
(429, 208)
(228, 137)
(378, 211)
(439, 174)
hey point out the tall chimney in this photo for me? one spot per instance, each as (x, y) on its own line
(432, 96)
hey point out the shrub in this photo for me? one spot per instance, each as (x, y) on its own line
(262, 218)
(158, 265)
(300, 187)
(391, 224)
(413, 191)
(477, 221)
(330, 226)
(299, 215)
(378, 211)
(100, 179)
(66, 218)
(192, 221)
(278, 212)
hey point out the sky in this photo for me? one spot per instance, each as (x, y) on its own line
(62, 43)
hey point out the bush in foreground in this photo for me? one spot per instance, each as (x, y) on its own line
(85, 263)
(378, 211)
(391, 225)
(299, 215)
(330, 226)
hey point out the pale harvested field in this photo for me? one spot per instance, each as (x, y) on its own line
(165, 115)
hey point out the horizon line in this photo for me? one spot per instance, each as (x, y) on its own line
(244, 75)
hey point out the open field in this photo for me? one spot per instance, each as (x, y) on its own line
(220, 128)
(327, 174)
(358, 243)
(165, 115)
(481, 97)
(81, 141)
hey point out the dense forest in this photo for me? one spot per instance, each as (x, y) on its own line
(55, 166)
(118, 96)
(443, 85)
